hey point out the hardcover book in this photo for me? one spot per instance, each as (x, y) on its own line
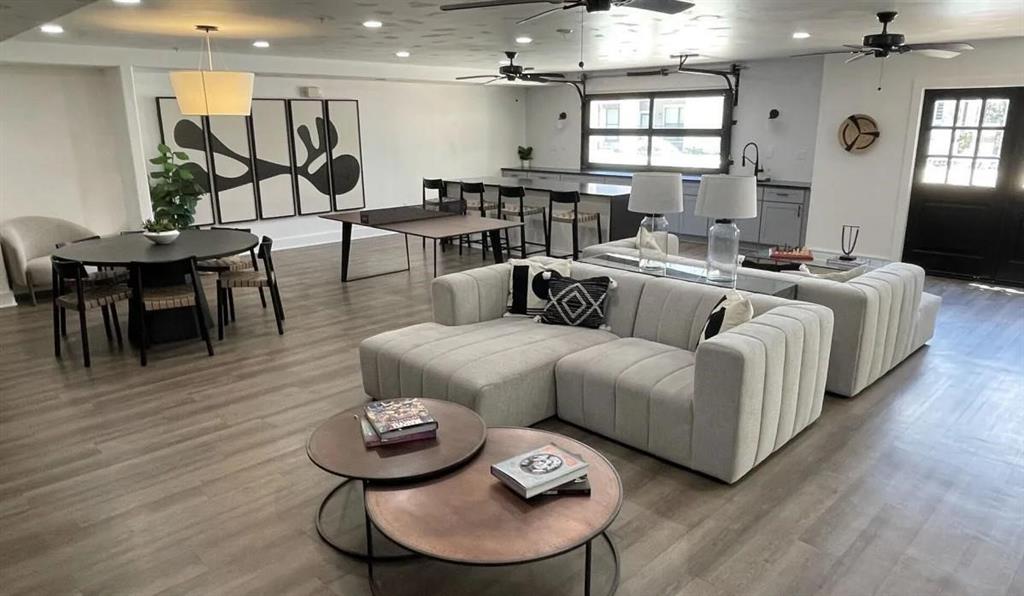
(579, 486)
(397, 417)
(372, 439)
(540, 470)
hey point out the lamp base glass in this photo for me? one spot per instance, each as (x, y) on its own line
(723, 252)
(652, 249)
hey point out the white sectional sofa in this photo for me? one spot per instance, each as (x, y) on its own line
(720, 408)
(881, 317)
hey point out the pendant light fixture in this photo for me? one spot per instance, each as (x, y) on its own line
(212, 92)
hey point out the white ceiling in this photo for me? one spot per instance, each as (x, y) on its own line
(745, 29)
(20, 15)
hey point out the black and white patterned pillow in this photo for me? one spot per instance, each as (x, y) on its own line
(528, 285)
(579, 303)
(732, 310)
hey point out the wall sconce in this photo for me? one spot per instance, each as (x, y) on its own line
(773, 114)
(560, 122)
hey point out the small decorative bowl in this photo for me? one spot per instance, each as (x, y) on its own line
(162, 237)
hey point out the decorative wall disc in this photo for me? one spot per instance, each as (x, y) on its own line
(857, 133)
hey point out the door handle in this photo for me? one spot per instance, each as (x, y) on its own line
(799, 211)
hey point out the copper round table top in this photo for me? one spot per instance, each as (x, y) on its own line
(337, 445)
(468, 516)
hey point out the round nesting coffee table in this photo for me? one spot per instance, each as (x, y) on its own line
(336, 446)
(469, 517)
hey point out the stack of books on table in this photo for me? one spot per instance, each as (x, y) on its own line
(548, 470)
(397, 421)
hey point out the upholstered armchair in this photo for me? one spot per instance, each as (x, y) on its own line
(28, 243)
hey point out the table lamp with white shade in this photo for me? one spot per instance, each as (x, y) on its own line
(723, 198)
(654, 194)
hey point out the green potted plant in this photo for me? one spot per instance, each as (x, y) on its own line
(174, 192)
(159, 231)
(525, 156)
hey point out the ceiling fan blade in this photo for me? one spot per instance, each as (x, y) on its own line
(540, 14)
(549, 75)
(661, 72)
(857, 56)
(857, 48)
(530, 78)
(944, 54)
(946, 47)
(475, 77)
(662, 6)
(492, 80)
(825, 53)
(493, 3)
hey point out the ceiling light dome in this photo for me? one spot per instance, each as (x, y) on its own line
(212, 92)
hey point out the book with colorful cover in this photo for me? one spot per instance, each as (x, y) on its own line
(393, 418)
(790, 253)
(540, 470)
(372, 439)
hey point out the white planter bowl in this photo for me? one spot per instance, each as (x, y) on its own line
(161, 237)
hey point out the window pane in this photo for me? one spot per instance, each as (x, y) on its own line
(985, 172)
(938, 141)
(969, 113)
(687, 152)
(618, 113)
(959, 172)
(945, 109)
(995, 112)
(991, 143)
(625, 150)
(935, 170)
(689, 112)
(964, 141)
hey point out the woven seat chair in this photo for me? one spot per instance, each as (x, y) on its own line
(82, 297)
(251, 279)
(239, 262)
(479, 204)
(516, 206)
(572, 216)
(186, 295)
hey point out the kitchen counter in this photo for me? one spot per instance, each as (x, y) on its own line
(624, 175)
(586, 189)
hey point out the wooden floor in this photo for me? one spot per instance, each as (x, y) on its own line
(190, 476)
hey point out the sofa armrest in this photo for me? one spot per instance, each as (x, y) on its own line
(756, 386)
(470, 296)
(628, 246)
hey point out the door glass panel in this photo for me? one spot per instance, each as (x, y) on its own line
(689, 112)
(959, 172)
(986, 171)
(687, 152)
(935, 170)
(628, 150)
(995, 112)
(618, 113)
(938, 141)
(969, 112)
(991, 143)
(945, 110)
(964, 141)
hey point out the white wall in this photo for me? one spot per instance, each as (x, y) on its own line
(873, 189)
(787, 143)
(62, 146)
(410, 131)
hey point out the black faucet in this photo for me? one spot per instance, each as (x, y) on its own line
(756, 161)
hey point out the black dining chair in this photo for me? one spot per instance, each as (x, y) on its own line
(186, 295)
(571, 216)
(239, 262)
(439, 201)
(251, 279)
(102, 275)
(479, 204)
(83, 297)
(517, 207)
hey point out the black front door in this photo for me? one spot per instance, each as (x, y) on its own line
(967, 198)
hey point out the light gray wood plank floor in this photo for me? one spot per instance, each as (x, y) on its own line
(190, 476)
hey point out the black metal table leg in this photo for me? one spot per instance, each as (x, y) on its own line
(346, 248)
(369, 537)
(586, 568)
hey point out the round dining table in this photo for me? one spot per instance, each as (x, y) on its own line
(135, 251)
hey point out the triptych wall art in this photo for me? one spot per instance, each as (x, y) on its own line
(289, 157)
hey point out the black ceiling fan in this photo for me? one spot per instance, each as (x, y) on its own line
(662, 6)
(515, 72)
(885, 44)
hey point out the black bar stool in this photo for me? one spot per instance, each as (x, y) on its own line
(570, 216)
(438, 202)
(521, 211)
(479, 204)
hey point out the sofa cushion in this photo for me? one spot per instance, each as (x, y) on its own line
(633, 390)
(40, 272)
(502, 368)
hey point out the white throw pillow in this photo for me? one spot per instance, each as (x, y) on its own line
(732, 310)
(528, 286)
(842, 276)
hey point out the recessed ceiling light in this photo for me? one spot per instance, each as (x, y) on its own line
(127, 1)
(801, 35)
(707, 17)
(524, 39)
(373, 24)
(402, 54)
(51, 28)
(261, 44)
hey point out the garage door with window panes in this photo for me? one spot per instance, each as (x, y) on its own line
(967, 198)
(680, 131)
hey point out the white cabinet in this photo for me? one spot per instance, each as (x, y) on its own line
(750, 229)
(781, 223)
